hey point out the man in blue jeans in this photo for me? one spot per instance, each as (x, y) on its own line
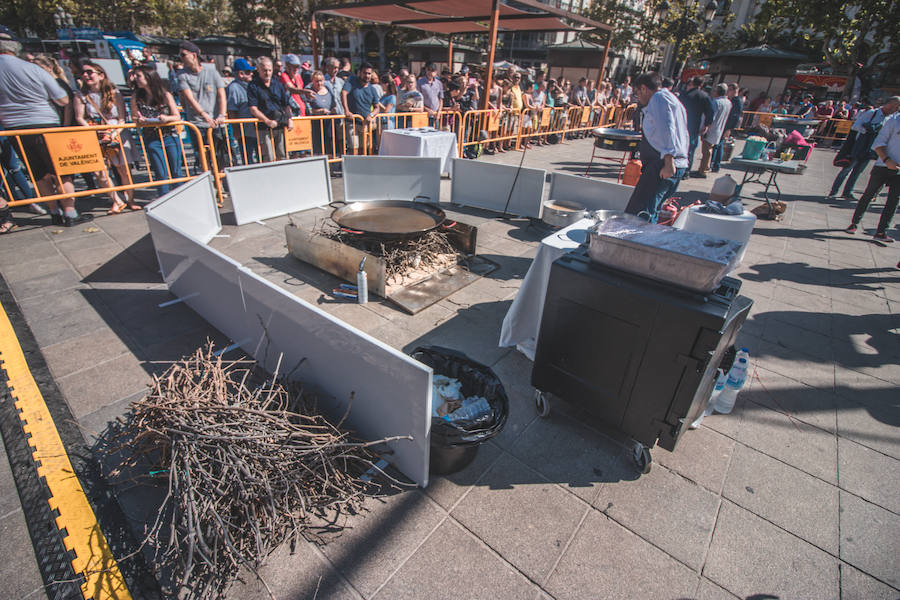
(664, 146)
(886, 172)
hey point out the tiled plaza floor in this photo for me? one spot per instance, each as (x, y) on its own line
(794, 495)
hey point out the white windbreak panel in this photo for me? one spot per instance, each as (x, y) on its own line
(268, 190)
(391, 178)
(486, 185)
(594, 194)
(191, 207)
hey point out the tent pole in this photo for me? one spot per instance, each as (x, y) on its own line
(450, 53)
(603, 62)
(492, 46)
(315, 43)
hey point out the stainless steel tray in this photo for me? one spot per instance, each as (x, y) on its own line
(689, 260)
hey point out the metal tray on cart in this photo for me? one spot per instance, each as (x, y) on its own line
(689, 260)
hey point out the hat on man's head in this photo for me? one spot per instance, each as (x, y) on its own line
(8, 41)
(292, 59)
(243, 65)
(431, 67)
(190, 47)
(305, 65)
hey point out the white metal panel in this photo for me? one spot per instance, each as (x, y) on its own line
(270, 190)
(594, 194)
(391, 178)
(391, 391)
(203, 278)
(191, 207)
(486, 185)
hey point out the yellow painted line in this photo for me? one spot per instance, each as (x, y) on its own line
(93, 557)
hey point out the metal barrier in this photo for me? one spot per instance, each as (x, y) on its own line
(833, 130)
(249, 141)
(77, 150)
(751, 119)
(444, 120)
(491, 127)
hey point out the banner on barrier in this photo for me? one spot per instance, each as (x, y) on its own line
(493, 121)
(585, 114)
(300, 137)
(419, 120)
(75, 152)
(545, 116)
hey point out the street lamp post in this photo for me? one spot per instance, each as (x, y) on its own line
(689, 14)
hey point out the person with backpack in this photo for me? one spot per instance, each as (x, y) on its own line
(855, 154)
(886, 172)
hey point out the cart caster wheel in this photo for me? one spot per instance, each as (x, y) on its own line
(642, 458)
(542, 403)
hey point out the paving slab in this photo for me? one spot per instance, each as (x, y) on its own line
(606, 561)
(379, 540)
(868, 474)
(525, 518)
(452, 564)
(95, 387)
(870, 539)
(665, 509)
(793, 500)
(751, 557)
(856, 585)
(707, 590)
(18, 569)
(871, 421)
(702, 456)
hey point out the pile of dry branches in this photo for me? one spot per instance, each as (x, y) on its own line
(426, 253)
(247, 462)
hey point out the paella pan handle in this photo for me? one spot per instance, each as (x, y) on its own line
(446, 225)
(425, 198)
(335, 203)
(353, 231)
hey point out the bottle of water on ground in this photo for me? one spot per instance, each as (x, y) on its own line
(736, 377)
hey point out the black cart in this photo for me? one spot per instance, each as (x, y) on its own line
(638, 355)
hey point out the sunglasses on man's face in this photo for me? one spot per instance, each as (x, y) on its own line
(88, 72)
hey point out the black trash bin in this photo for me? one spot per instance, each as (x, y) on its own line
(454, 445)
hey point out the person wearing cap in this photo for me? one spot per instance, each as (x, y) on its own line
(28, 94)
(244, 141)
(203, 99)
(866, 126)
(886, 172)
(432, 91)
(293, 83)
(663, 147)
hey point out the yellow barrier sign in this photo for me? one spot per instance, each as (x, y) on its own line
(493, 121)
(75, 152)
(300, 137)
(545, 116)
(419, 120)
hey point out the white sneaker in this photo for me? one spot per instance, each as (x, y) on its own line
(37, 209)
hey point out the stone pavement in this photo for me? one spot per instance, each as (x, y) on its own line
(793, 495)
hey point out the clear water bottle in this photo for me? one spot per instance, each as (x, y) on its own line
(721, 378)
(736, 378)
(470, 410)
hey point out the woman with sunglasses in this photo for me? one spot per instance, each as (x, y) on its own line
(101, 103)
(152, 106)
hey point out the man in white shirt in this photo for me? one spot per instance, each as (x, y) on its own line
(663, 148)
(865, 126)
(713, 137)
(885, 172)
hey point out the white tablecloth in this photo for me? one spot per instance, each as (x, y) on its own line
(523, 320)
(425, 141)
(730, 227)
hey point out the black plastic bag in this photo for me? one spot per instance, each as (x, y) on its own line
(477, 380)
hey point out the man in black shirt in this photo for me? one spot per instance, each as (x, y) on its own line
(699, 111)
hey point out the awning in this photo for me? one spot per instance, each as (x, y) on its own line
(463, 16)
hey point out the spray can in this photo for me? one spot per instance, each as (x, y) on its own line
(362, 284)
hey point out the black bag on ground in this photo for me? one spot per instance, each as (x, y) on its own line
(477, 380)
(842, 158)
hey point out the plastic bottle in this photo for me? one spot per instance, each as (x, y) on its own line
(736, 378)
(470, 410)
(721, 378)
